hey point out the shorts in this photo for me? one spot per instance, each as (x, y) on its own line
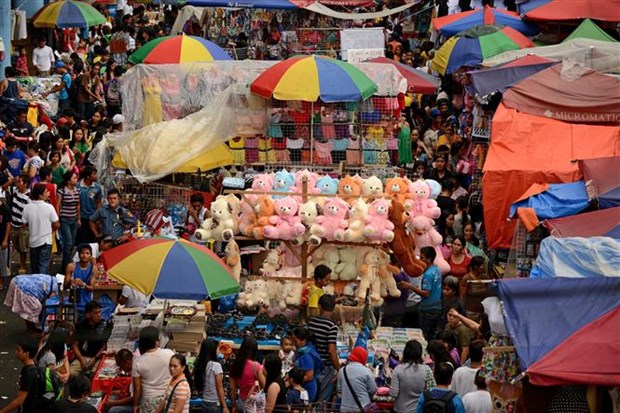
(19, 237)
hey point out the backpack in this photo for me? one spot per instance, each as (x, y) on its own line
(113, 94)
(48, 388)
(437, 404)
(74, 90)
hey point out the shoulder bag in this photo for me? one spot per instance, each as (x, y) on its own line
(370, 408)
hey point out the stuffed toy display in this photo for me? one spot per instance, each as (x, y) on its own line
(332, 223)
(224, 221)
(308, 211)
(347, 267)
(262, 183)
(369, 277)
(265, 209)
(327, 185)
(233, 259)
(357, 221)
(386, 277)
(291, 294)
(255, 293)
(378, 226)
(331, 258)
(286, 224)
(397, 189)
(283, 181)
(247, 219)
(311, 179)
(426, 235)
(403, 244)
(271, 264)
(372, 188)
(421, 202)
(350, 188)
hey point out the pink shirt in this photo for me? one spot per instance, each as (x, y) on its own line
(248, 378)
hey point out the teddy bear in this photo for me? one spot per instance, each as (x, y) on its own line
(378, 226)
(372, 188)
(349, 188)
(233, 258)
(244, 295)
(311, 179)
(291, 294)
(332, 223)
(386, 276)
(327, 185)
(223, 224)
(259, 295)
(347, 268)
(285, 225)
(247, 219)
(274, 290)
(369, 277)
(283, 181)
(357, 221)
(403, 243)
(308, 211)
(397, 188)
(421, 202)
(262, 183)
(271, 263)
(265, 209)
(426, 235)
(331, 258)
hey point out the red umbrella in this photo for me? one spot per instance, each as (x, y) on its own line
(606, 10)
(418, 81)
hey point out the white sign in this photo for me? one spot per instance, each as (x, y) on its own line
(362, 55)
(370, 38)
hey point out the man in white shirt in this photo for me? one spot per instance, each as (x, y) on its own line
(463, 378)
(132, 298)
(41, 219)
(478, 401)
(43, 58)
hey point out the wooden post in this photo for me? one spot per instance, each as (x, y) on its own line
(304, 246)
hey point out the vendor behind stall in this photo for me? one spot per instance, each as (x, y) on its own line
(322, 275)
(121, 400)
(82, 275)
(112, 217)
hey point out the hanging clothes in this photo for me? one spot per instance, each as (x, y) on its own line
(323, 153)
(266, 153)
(275, 131)
(392, 147)
(404, 143)
(18, 25)
(282, 153)
(237, 148)
(153, 112)
(327, 125)
(251, 150)
(370, 151)
(294, 147)
(353, 151)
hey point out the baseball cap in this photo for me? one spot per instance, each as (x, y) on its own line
(434, 113)
(59, 63)
(118, 119)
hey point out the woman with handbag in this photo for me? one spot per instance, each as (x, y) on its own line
(244, 373)
(356, 384)
(179, 391)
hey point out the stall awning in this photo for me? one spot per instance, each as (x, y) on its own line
(603, 174)
(554, 200)
(555, 10)
(605, 222)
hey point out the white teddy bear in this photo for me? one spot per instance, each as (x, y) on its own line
(291, 294)
(347, 268)
(308, 212)
(331, 258)
(271, 264)
(224, 221)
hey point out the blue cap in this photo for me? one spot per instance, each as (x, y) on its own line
(59, 63)
(434, 113)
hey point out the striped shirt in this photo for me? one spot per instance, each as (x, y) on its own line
(182, 391)
(69, 203)
(18, 202)
(324, 332)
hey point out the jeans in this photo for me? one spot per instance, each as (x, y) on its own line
(429, 323)
(121, 409)
(68, 233)
(40, 258)
(210, 407)
(327, 387)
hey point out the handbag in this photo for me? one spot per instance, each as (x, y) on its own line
(369, 408)
(169, 402)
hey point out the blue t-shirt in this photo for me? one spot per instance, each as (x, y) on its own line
(431, 281)
(455, 406)
(307, 362)
(15, 161)
(64, 92)
(89, 196)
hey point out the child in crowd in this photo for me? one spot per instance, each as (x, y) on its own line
(122, 399)
(296, 397)
(286, 354)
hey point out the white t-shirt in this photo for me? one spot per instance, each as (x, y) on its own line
(135, 299)
(152, 368)
(209, 393)
(463, 381)
(42, 58)
(478, 402)
(40, 216)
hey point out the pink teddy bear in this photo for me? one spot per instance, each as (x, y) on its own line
(378, 225)
(312, 179)
(261, 183)
(332, 223)
(286, 224)
(421, 202)
(427, 236)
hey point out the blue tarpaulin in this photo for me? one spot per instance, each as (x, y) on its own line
(577, 257)
(559, 200)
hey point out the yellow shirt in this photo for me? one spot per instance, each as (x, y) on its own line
(313, 296)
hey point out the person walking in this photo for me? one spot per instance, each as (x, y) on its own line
(42, 220)
(43, 58)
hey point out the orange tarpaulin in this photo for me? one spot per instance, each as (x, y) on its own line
(527, 149)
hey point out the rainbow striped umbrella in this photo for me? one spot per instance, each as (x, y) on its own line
(310, 78)
(67, 13)
(470, 47)
(178, 49)
(172, 269)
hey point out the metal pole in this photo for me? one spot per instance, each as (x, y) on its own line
(311, 132)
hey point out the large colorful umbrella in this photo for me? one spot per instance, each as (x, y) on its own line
(67, 13)
(170, 269)
(553, 322)
(452, 24)
(178, 49)
(471, 47)
(554, 10)
(310, 78)
(500, 78)
(417, 81)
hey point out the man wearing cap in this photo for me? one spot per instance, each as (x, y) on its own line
(356, 384)
(63, 87)
(432, 133)
(117, 122)
(43, 58)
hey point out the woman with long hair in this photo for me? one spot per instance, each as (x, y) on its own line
(275, 389)
(68, 207)
(179, 391)
(209, 379)
(458, 259)
(53, 354)
(410, 379)
(307, 359)
(244, 371)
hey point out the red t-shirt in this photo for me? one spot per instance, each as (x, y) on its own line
(459, 270)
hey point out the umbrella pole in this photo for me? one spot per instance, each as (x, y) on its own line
(311, 132)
